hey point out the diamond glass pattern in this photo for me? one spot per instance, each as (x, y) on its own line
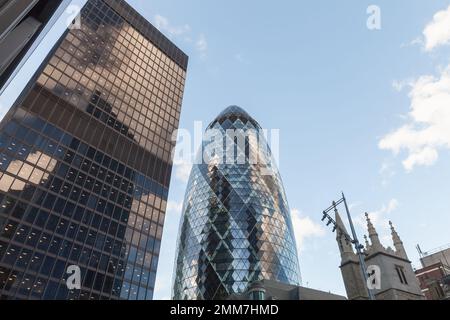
(236, 226)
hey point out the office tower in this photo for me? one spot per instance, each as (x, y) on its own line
(85, 161)
(396, 275)
(22, 24)
(236, 226)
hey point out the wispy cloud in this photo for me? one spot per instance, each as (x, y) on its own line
(380, 218)
(428, 128)
(163, 24)
(162, 286)
(202, 45)
(241, 58)
(182, 32)
(174, 207)
(182, 170)
(437, 32)
(305, 228)
(387, 172)
(399, 85)
(419, 41)
(354, 205)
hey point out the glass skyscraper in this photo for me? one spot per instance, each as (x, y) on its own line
(236, 226)
(85, 161)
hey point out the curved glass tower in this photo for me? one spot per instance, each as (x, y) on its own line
(236, 226)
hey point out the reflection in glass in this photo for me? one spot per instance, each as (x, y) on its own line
(236, 226)
(85, 161)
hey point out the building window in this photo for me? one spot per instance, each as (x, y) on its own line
(401, 274)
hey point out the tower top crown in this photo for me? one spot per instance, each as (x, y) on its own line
(398, 244)
(234, 112)
(373, 235)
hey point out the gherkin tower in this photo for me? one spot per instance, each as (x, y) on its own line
(236, 226)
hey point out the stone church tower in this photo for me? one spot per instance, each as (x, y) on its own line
(397, 281)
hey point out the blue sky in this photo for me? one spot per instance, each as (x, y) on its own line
(314, 70)
(359, 110)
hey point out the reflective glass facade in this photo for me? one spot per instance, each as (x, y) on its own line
(85, 161)
(236, 226)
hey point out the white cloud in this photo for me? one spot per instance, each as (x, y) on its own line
(239, 57)
(380, 219)
(419, 41)
(162, 286)
(387, 172)
(174, 207)
(399, 85)
(354, 205)
(386, 239)
(202, 45)
(428, 128)
(392, 205)
(437, 32)
(426, 157)
(163, 24)
(304, 227)
(183, 32)
(183, 170)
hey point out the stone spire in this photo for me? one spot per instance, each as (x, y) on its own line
(373, 235)
(367, 242)
(345, 246)
(398, 244)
